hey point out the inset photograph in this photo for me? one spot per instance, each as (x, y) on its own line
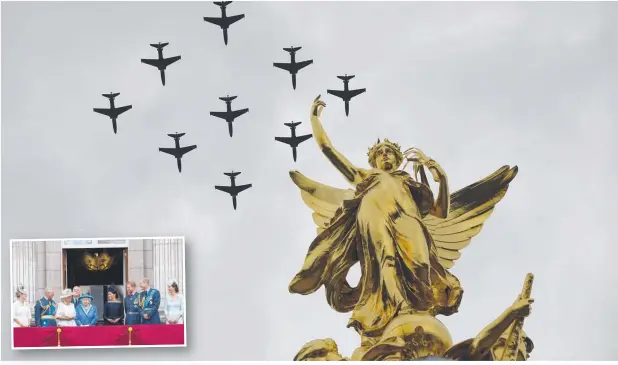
(104, 293)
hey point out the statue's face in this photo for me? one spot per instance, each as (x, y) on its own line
(386, 159)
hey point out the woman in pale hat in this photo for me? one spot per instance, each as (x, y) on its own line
(174, 304)
(65, 316)
(86, 313)
(21, 310)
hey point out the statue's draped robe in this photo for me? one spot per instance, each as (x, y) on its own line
(382, 228)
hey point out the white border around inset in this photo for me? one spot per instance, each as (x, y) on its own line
(184, 270)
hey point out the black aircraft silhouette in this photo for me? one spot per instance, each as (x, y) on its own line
(112, 112)
(233, 189)
(294, 140)
(225, 21)
(229, 115)
(178, 151)
(293, 67)
(161, 63)
(346, 94)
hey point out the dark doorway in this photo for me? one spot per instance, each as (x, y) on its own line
(95, 267)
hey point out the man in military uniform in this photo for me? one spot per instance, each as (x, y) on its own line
(45, 310)
(150, 299)
(131, 305)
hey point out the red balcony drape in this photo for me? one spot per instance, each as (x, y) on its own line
(141, 335)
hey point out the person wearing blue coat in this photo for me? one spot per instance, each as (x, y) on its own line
(86, 313)
(45, 310)
(150, 300)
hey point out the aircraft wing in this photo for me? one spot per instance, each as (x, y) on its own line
(284, 66)
(222, 115)
(151, 62)
(225, 189)
(123, 109)
(301, 139)
(217, 21)
(238, 113)
(240, 188)
(234, 18)
(169, 61)
(353, 93)
(107, 112)
(303, 64)
(183, 150)
(338, 93)
(169, 151)
(286, 140)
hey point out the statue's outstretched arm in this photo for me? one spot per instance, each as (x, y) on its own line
(352, 173)
(490, 334)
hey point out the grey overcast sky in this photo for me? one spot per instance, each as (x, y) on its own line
(474, 85)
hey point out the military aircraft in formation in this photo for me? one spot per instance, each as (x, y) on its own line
(113, 112)
(346, 94)
(293, 67)
(161, 63)
(178, 151)
(225, 21)
(233, 189)
(294, 140)
(229, 115)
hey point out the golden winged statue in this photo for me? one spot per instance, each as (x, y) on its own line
(404, 239)
(97, 262)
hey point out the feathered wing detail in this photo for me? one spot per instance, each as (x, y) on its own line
(89, 262)
(470, 208)
(105, 261)
(324, 200)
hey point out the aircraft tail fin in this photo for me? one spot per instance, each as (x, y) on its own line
(222, 3)
(111, 95)
(293, 124)
(292, 49)
(346, 77)
(231, 174)
(159, 45)
(227, 98)
(176, 135)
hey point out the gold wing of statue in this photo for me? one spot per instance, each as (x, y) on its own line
(322, 199)
(90, 262)
(105, 261)
(470, 208)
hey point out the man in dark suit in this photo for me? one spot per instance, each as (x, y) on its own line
(132, 305)
(149, 299)
(77, 292)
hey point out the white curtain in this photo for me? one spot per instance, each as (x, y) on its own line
(24, 269)
(168, 263)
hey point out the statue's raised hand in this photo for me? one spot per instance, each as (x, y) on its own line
(416, 155)
(420, 158)
(317, 107)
